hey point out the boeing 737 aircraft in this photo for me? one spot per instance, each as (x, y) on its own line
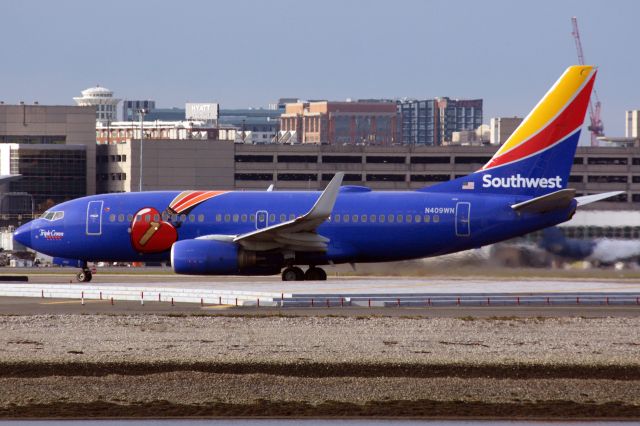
(523, 188)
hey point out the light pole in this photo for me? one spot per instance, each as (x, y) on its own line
(141, 113)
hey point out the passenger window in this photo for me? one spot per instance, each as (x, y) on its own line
(156, 218)
(183, 217)
(418, 218)
(227, 218)
(381, 217)
(174, 217)
(409, 218)
(200, 218)
(399, 218)
(427, 218)
(391, 218)
(120, 217)
(252, 218)
(372, 218)
(292, 216)
(165, 216)
(243, 218)
(345, 218)
(147, 218)
(283, 217)
(436, 218)
(336, 218)
(129, 217)
(236, 218)
(363, 218)
(218, 217)
(272, 218)
(112, 217)
(354, 218)
(192, 218)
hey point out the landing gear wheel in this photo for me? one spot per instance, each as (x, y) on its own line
(292, 273)
(84, 276)
(315, 274)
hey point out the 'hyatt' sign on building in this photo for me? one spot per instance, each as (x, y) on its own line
(202, 111)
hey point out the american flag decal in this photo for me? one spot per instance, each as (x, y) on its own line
(468, 185)
(189, 199)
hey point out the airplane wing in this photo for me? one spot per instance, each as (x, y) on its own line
(298, 234)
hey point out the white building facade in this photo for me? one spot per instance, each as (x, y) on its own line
(102, 99)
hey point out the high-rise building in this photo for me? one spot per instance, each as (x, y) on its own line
(632, 128)
(418, 122)
(457, 115)
(130, 109)
(340, 123)
(502, 128)
(432, 121)
(102, 99)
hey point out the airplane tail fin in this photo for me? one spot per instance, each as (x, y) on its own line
(537, 158)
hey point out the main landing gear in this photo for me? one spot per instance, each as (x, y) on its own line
(84, 276)
(293, 273)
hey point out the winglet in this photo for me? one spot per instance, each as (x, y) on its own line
(324, 205)
(588, 199)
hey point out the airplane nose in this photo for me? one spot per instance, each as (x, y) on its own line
(23, 234)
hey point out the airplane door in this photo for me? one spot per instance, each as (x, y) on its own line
(463, 226)
(94, 218)
(262, 219)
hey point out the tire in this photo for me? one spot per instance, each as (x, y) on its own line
(84, 276)
(315, 274)
(289, 274)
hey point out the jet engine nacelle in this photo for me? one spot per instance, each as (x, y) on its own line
(213, 257)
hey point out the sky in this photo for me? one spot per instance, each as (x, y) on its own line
(249, 53)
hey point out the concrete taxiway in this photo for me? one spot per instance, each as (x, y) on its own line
(378, 292)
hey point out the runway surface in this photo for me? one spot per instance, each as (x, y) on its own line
(379, 292)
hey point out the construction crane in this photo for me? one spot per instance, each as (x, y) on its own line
(595, 127)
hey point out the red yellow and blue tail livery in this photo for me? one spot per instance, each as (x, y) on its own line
(523, 188)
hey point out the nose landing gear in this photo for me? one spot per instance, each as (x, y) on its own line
(293, 273)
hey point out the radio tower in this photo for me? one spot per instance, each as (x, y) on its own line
(596, 127)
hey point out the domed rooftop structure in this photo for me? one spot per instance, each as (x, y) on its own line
(102, 99)
(97, 91)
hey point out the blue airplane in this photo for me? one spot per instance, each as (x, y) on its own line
(523, 188)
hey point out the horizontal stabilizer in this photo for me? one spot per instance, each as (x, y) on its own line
(546, 203)
(588, 199)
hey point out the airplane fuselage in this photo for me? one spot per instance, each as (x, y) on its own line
(364, 226)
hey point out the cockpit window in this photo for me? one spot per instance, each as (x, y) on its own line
(53, 215)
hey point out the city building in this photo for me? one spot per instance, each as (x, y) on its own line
(255, 125)
(49, 173)
(166, 114)
(166, 164)
(40, 132)
(431, 122)
(102, 100)
(125, 131)
(130, 109)
(311, 166)
(339, 123)
(632, 121)
(502, 127)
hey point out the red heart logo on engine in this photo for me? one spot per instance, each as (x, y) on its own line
(151, 234)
